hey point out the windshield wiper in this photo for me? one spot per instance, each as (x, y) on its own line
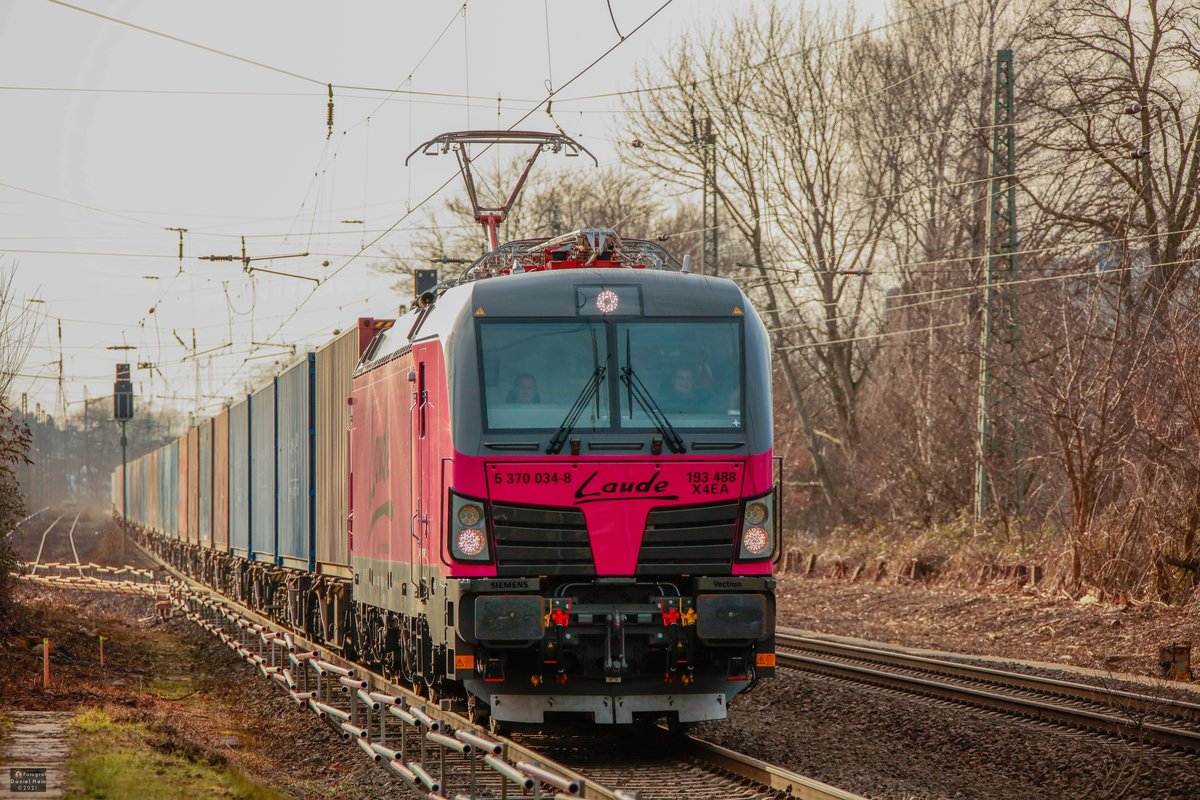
(592, 387)
(639, 392)
(581, 402)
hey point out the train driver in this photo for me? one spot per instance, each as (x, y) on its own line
(682, 394)
(524, 391)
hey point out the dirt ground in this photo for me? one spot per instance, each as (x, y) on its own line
(1001, 621)
(194, 700)
(889, 745)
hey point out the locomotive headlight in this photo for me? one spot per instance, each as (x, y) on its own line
(607, 301)
(755, 541)
(469, 515)
(470, 541)
(759, 530)
(467, 536)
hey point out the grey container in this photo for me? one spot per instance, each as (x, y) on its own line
(181, 488)
(205, 493)
(294, 463)
(262, 474)
(239, 478)
(335, 364)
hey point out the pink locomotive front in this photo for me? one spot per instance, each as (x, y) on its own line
(563, 497)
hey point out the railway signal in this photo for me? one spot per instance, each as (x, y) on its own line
(424, 280)
(122, 413)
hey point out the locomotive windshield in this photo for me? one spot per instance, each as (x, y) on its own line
(692, 370)
(533, 373)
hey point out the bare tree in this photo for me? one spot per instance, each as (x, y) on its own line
(773, 89)
(1125, 110)
(921, 122)
(18, 327)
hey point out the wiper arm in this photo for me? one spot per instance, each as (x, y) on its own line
(639, 392)
(581, 402)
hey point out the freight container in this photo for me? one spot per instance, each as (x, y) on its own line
(165, 506)
(262, 474)
(294, 463)
(138, 499)
(335, 363)
(220, 482)
(131, 492)
(147, 504)
(151, 478)
(142, 503)
(181, 491)
(239, 478)
(205, 471)
(172, 474)
(135, 494)
(193, 487)
(149, 508)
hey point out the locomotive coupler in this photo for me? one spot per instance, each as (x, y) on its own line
(614, 666)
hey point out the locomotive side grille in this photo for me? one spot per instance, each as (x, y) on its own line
(692, 541)
(541, 541)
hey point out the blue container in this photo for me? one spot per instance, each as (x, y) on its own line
(239, 478)
(295, 499)
(262, 474)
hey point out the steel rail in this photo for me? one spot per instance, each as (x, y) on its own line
(781, 780)
(46, 532)
(71, 536)
(1133, 702)
(773, 779)
(1119, 725)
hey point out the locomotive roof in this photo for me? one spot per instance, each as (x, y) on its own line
(553, 293)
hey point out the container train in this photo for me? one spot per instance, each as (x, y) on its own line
(546, 489)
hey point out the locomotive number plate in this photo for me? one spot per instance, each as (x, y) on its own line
(532, 477)
(586, 482)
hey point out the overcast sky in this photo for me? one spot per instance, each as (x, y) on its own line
(111, 134)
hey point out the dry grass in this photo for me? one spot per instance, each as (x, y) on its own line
(123, 759)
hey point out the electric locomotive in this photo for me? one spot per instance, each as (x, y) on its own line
(562, 492)
(560, 498)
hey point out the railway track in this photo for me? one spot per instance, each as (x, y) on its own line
(123, 580)
(45, 533)
(420, 742)
(1137, 718)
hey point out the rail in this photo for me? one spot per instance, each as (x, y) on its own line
(1146, 719)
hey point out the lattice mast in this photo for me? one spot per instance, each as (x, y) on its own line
(1000, 307)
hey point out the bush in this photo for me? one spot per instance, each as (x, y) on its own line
(14, 449)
